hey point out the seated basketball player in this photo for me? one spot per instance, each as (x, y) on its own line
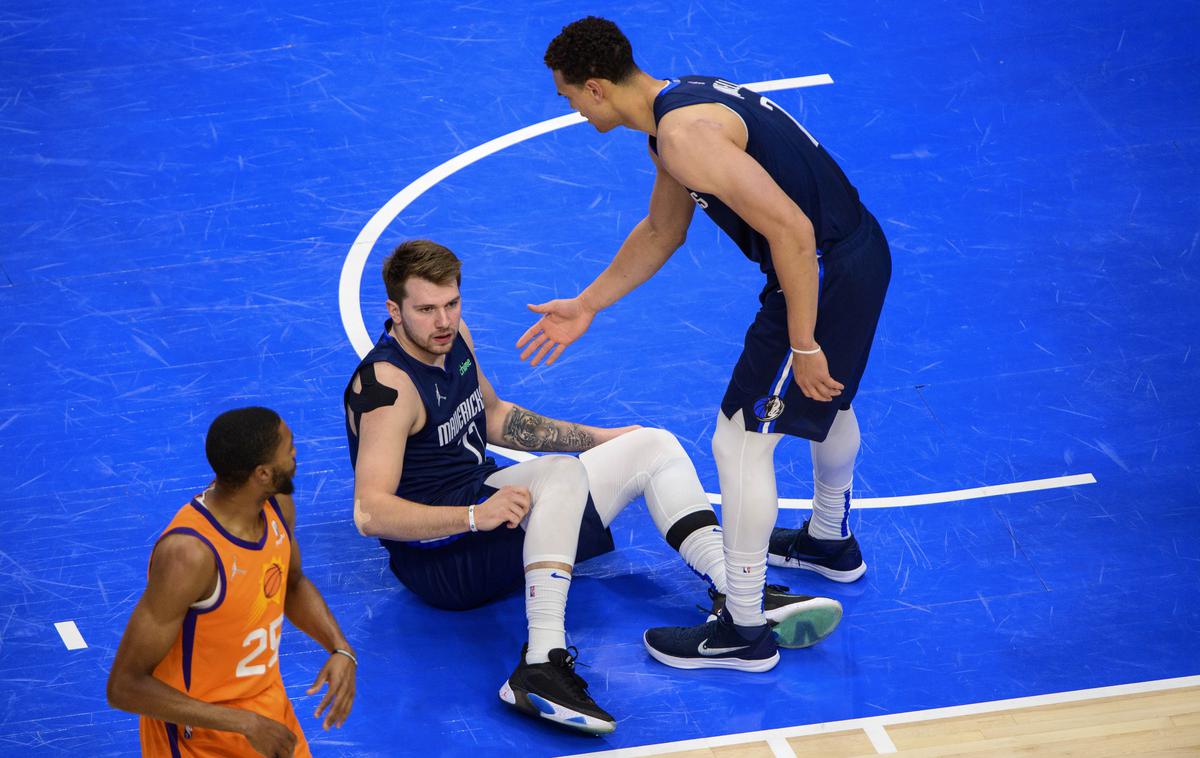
(199, 659)
(462, 531)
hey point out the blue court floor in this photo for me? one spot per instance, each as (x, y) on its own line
(184, 185)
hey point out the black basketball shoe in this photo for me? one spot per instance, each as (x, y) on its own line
(555, 692)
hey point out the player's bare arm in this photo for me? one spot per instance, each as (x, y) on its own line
(703, 148)
(383, 436)
(306, 608)
(182, 572)
(651, 243)
(512, 426)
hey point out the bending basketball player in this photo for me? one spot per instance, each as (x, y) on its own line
(763, 179)
(199, 659)
(461, 531)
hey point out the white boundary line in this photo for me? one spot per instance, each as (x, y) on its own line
(879, 738)
(350, 285)
(71, 635)
(972, 709)
(780, 748)
(974, 493)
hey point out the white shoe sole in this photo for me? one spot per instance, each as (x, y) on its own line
(806, 623)
(837, 576)
(534, 704)
(737, 664)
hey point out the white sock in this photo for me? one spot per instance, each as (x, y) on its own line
(833, 477)
(746, 574)
(704, 551)
(830, 512)
(546, 609)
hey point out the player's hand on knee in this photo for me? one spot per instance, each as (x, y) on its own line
(811, 374)
(508, 506)
(562, 322)
(270, 738)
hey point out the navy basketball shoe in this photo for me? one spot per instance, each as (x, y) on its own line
(714, 645)
(555, 692)
(795, 620)
(839, 560)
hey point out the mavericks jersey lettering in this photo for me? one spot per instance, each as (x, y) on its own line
(445, 463)
(792, 157)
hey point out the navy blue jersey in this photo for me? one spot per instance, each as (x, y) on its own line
(445, 463)
(797, 163)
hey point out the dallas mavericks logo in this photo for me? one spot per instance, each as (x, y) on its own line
(768, 408)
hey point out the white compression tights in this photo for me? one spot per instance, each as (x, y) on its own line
(749, 503)
(645, 461)
(651, 462)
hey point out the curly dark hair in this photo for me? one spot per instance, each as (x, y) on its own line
(240, 441)
(591, 48)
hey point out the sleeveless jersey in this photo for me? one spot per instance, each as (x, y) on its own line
(228, 648)
(445, 463)
(227, 651)
(797, 163)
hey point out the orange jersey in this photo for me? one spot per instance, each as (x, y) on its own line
(227, 652)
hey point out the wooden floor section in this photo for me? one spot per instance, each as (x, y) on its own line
(1165, 722)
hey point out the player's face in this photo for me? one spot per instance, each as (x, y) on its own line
(283, 466)
(588, 100)
(428, 318)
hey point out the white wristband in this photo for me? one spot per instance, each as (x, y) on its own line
(471, 518)
(347, 653)
(814, 351)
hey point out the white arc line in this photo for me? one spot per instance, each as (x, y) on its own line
(70, 634)
(951, 496)
(350, 282)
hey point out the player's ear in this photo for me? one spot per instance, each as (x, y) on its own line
(262, 475)
(393, 309)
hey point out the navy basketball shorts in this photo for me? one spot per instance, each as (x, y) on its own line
(477, 567)
(854, 280)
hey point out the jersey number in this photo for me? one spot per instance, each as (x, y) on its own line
(261, 638)
(477, 451)
(770, 105)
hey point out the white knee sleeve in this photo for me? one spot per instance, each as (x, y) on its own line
(649, 462)
(558, 488)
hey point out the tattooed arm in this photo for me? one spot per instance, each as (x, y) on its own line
(514, 427)
(521, 429)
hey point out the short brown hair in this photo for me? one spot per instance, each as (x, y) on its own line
(589, 48)
(421, 259)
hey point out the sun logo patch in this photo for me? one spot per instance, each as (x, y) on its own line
(272, 588)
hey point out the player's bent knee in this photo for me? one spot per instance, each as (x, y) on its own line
(558, 473)
(655, 447)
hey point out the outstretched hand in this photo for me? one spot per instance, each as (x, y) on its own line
(562, 322)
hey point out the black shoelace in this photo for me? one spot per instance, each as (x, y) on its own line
(575, 682)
